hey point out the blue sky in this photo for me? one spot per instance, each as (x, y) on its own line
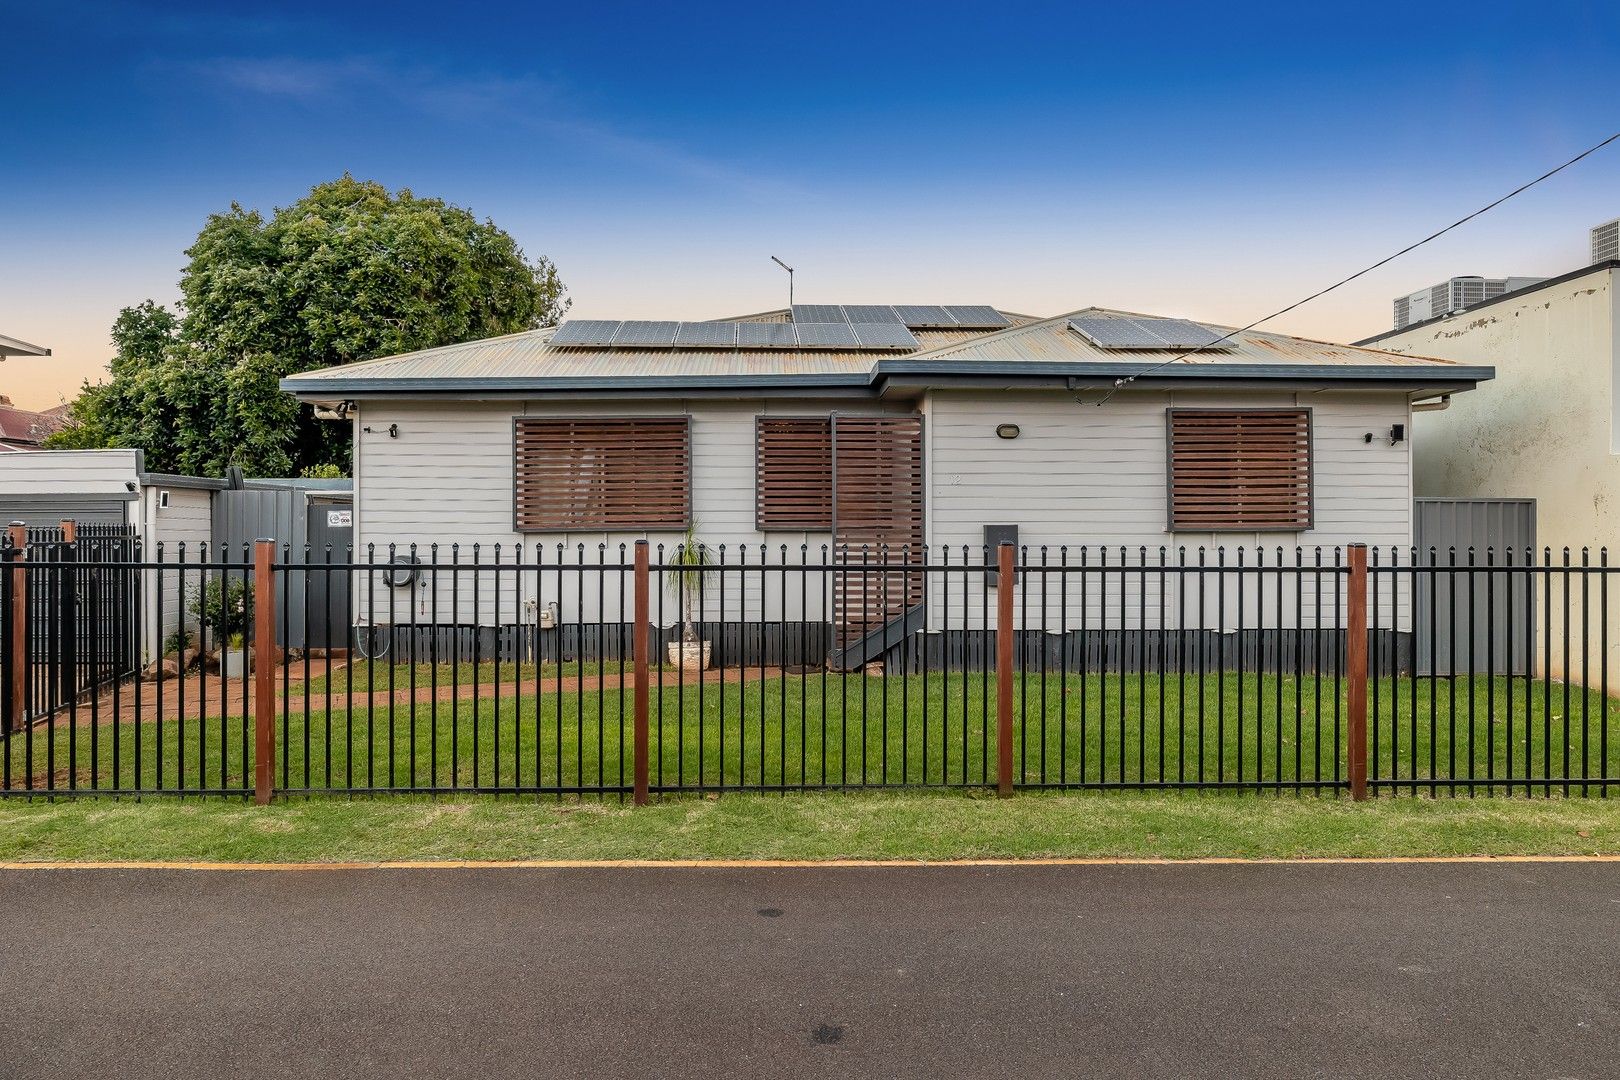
(1210, 160)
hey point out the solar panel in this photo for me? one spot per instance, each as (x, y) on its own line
(1112, 332)
(586, 332)
(924, 316)
(871, 313)
(766, 335)
(819, 313)
(645, 334)
(722, 335)
(884, 336)
(826, 335)
(1119, 332)
(1184, 333)
(977, 317)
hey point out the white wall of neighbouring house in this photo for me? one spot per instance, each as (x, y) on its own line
(1547, 427)
(1095, 476)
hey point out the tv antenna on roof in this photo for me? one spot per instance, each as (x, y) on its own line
(789, 269)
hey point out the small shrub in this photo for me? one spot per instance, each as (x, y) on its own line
(226, 609)
(177, 643)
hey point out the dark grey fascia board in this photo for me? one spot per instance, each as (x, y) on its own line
(333, 389)
(1071, 377)
(897, 374)
(1222, 373)
(175, 480)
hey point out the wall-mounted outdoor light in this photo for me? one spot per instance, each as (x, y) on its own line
(1007, 431)
(1397, 435)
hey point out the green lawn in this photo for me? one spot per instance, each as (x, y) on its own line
(369, 675)
(913, 825)
(827, 730)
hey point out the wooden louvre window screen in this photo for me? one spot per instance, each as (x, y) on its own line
(1246, 470)
(793, 472)
(878, 518)
(603, 473)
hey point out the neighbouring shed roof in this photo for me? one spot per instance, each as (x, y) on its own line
(1030, 350)
(10, 346)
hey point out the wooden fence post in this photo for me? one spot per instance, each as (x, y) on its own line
(17, 692)
(639, 649)
(1356, 672)
(1004, 671)
(264, 674)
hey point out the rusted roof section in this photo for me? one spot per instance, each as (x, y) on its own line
(1051, 340)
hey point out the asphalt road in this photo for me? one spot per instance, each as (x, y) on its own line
(1261, 970)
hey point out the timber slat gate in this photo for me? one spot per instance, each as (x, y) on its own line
(553, 671)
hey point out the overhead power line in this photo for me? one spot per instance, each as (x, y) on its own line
(1121, 383)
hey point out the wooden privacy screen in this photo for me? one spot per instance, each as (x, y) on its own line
(793, 473)
(878, 490)
(1244, 469)
(613, 473)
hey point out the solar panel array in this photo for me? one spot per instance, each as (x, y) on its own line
(1120, 332)
(640, 334)
(814, 326)
(915, 316)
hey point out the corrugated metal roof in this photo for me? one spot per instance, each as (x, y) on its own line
(1031, 347)
(1051, 340)
(529, 354)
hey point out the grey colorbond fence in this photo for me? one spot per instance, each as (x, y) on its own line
(559, 671)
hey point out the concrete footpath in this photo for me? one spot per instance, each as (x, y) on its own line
(1504, 969)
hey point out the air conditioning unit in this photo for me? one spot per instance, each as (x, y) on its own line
(1455, 294)
(1606, 241)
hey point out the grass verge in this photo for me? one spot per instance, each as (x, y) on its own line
(812, 826)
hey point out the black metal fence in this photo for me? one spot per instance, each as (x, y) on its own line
(574, 671)
(79, 616)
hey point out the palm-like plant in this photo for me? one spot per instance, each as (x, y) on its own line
(694, 558)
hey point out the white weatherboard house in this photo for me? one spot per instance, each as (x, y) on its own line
(871, 424)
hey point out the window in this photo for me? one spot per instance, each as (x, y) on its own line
(602, 473)
(793, 472)
(1246, 470)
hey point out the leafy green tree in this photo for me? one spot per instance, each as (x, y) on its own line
(347, 273)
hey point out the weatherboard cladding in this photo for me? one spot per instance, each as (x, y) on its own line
(1030, 346)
